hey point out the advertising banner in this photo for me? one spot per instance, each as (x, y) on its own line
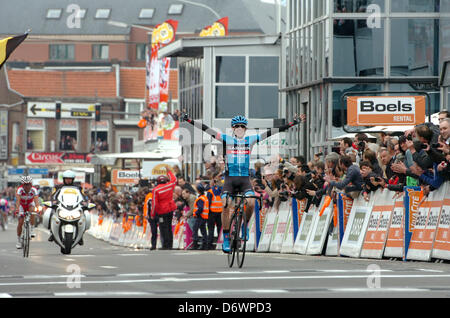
(394, 243)
(298, 209)
(385, 110)
(344, 205)
(441, 248)
(425, 227)
(280, 227)
(319, 232)
(356, 228)
(305, 230)
(411, 200)
(376, 235)
(267, 233)
(219, 28)
(124, 177)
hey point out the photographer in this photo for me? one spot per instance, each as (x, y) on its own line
(352, 182)
(371, 180)
(302, 189)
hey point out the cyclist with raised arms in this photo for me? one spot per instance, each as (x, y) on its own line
(237, 150)
(26, 200)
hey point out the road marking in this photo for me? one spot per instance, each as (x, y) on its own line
(384, 290)
(108, 267)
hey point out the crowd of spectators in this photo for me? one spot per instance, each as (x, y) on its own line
(418, 157)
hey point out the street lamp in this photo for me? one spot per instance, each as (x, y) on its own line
(126, 25)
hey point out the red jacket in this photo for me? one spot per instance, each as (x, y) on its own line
(162, 202)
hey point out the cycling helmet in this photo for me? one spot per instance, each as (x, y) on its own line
(26, 179)
(68, 174)
(239, 120)
(2, 202)
(162, 179)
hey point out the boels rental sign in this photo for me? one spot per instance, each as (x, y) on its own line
(385, 110)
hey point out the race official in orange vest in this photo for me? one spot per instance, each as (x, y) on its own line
(153, 221)
(200, 213)
(215, 210)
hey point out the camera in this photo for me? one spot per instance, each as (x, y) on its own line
(361, 145)
(436, 145)
(409, 137)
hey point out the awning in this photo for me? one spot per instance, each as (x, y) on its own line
(110, 158)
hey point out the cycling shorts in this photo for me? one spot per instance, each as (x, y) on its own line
(23, 208)
(237, 184)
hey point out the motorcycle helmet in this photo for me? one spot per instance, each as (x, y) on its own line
(162, 179)
(68, 174)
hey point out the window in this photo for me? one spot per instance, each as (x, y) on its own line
(68, 134)
(140, 51)
(62, 51)
(100, 51)
(175, 9)
(134, 107)
(54, 13)
(360, 6)
(126, 144)
(35, 135)
(358, 49)
(414, 47)
(247, 85)
(102, 13)
(415, 6)
(81, 14)
(146, 13)
(99, 141)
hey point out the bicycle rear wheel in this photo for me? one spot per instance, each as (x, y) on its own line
(241, 239)
(234, 232)
(26, 240)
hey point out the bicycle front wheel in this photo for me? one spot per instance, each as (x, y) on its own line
(234, 232)
(26, 240)
(242, 239)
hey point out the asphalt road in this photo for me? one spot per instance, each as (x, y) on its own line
(99, 269)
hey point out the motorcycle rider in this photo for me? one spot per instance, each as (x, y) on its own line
(68, 181)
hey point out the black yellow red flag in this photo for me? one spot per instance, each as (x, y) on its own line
(8, 45)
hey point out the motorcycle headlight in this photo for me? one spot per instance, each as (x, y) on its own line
(69, 214)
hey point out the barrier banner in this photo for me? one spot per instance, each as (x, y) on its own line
(320, 231)
(251, 243)
(288, 239)
(332, 247)
(413, 195)
(298, 209)
(356, 228)
(380, 218)
(441, 248)
(260, 214)
(280, 227)
(187, 236)
(344, 205)
(268, 230)
(425, 227)
(394, 242)
(305, 230)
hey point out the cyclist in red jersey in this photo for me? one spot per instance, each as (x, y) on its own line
(26, 200)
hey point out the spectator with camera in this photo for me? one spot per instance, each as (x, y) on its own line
(352, 183)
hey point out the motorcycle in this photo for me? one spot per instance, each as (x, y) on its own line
(68, 218)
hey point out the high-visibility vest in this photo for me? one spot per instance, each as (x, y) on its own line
(216, 203)
(205, 211)
(148, 198)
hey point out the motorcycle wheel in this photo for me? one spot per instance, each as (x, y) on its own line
(67, 244)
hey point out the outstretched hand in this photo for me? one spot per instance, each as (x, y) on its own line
(300, 118)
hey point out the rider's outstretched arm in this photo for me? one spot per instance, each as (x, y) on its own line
(274, 131)
(215, 134)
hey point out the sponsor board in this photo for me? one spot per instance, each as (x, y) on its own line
(280, 228)
(305, 230)
(425, 227)
(288, 239)
(411, 200)
(377, 230)
(385, 110)
(441, 248)
(356, 228)
(268, 230)
(320, 232)
(123, 177)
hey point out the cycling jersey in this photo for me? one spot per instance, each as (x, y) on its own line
(26, 198)
(238, 152)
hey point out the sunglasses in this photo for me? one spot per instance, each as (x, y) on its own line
(240, 126)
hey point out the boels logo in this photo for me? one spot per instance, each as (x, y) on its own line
(385, 110)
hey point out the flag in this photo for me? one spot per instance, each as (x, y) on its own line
(8, 45)
(219, 28)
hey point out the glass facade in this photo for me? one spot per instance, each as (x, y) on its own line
(338, 46)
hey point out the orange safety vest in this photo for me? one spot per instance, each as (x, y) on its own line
(148, 197)
(216, 203)
(205, 211)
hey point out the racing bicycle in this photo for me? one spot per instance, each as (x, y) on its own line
(238, 232)
(26, 233)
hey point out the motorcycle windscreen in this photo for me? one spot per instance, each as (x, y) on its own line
(70, 197)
